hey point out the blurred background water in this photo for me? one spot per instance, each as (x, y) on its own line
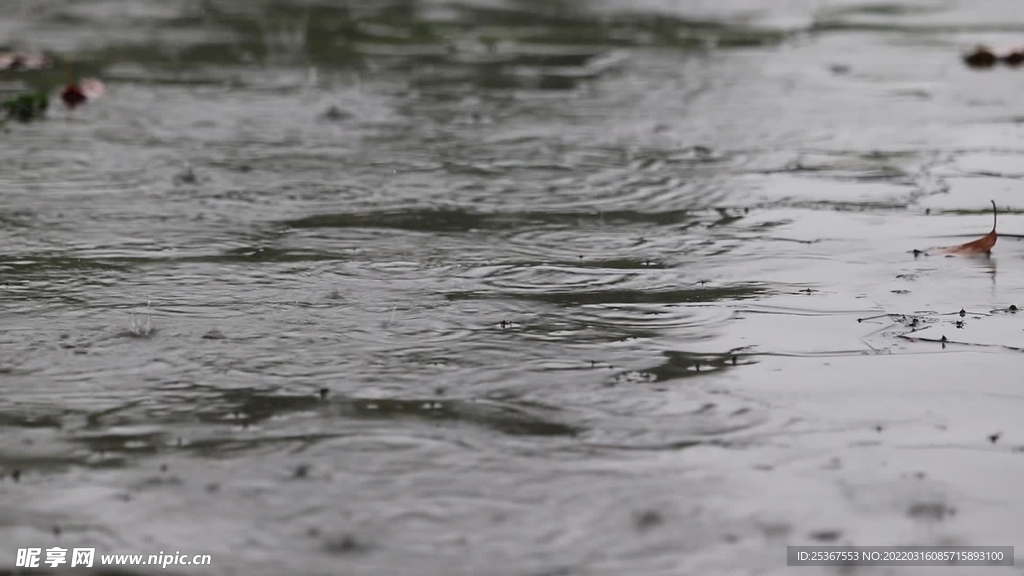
(510, 287)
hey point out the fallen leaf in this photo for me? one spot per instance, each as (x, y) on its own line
(72, 96)
(982, 245)
(75, 94)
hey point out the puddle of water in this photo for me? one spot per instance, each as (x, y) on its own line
(509, 287)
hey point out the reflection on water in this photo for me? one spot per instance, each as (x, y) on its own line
(513, 287)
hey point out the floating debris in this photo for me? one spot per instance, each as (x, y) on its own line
(930, 511)
(75, 94)
(981, 57)
(984, 57)
(26, 107)
(980, 247)
(346, 544)
(335, 114)
(18, 61)
(826, 535)
(187, 176)
(648, 519)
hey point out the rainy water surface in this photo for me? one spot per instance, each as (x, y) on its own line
(511, 287)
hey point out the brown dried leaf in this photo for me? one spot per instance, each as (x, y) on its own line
(980, 246)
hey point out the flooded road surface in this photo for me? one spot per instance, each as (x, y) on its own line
(511, 287)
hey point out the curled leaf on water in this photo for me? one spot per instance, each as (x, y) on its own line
(980, 246)
(75, 94)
